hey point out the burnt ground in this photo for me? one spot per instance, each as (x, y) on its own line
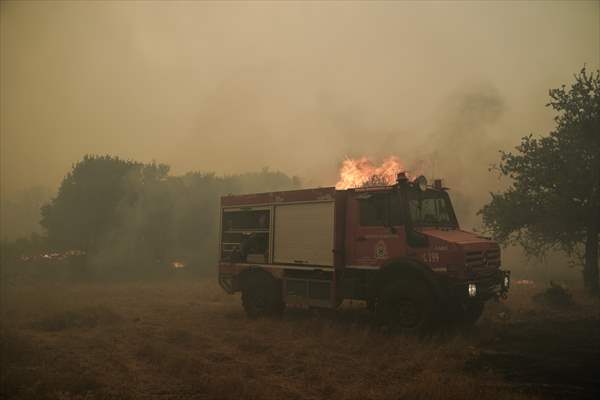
(186, 339)
(559, 358)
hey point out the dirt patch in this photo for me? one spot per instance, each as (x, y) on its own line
(560, 359)
(86, 317)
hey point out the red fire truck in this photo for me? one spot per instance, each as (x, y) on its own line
(399, 248)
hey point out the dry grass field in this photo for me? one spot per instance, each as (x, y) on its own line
(187, 339)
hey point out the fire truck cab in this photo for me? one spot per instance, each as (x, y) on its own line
(398, 247)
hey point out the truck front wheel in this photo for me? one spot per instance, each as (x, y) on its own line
(406, 306)
(261, 296)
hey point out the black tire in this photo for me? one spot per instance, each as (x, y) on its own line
(407, 306)
(471, 312)
(261, 296)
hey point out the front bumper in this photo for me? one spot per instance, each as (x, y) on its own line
(495, 285)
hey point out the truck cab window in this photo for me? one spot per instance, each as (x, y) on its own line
(372, 210)
(380, 210)
(431, 208)
(395, 210)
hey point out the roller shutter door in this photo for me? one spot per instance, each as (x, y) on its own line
(304, 233)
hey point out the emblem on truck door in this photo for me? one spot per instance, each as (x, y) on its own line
(380, 250)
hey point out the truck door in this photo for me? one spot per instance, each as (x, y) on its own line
(375, 228)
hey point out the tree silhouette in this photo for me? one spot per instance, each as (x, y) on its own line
(129, 216)
(554, 199)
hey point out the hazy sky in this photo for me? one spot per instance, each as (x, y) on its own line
(229, 87)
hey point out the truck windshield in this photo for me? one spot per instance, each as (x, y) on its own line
(431, 208)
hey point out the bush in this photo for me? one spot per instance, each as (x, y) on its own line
(555, 295)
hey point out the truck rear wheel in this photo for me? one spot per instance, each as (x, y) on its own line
(406, 306)
(261, 296)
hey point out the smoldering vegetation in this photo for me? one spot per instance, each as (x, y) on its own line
(187, 339)
(115, 219)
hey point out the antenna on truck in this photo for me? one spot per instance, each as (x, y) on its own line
(401, 177)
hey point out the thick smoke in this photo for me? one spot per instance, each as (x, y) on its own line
(466, 143)
(298, 87)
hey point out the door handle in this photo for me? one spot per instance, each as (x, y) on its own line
(361, 238)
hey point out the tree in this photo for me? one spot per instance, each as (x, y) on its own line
(85, 207)
(553, 201)
(131, 217)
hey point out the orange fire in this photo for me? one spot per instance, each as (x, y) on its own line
(362, 172)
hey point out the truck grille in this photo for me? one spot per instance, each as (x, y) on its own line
(483, 259)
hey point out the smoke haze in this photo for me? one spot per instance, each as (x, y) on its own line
(132, 281)
(231, 87)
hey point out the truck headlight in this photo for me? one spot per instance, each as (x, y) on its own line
(472, 289)
(506, 281)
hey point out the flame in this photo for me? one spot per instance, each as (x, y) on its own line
(362, 172)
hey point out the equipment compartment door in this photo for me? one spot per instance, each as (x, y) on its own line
(303, 234)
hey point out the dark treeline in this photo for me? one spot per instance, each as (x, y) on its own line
(116, 218)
